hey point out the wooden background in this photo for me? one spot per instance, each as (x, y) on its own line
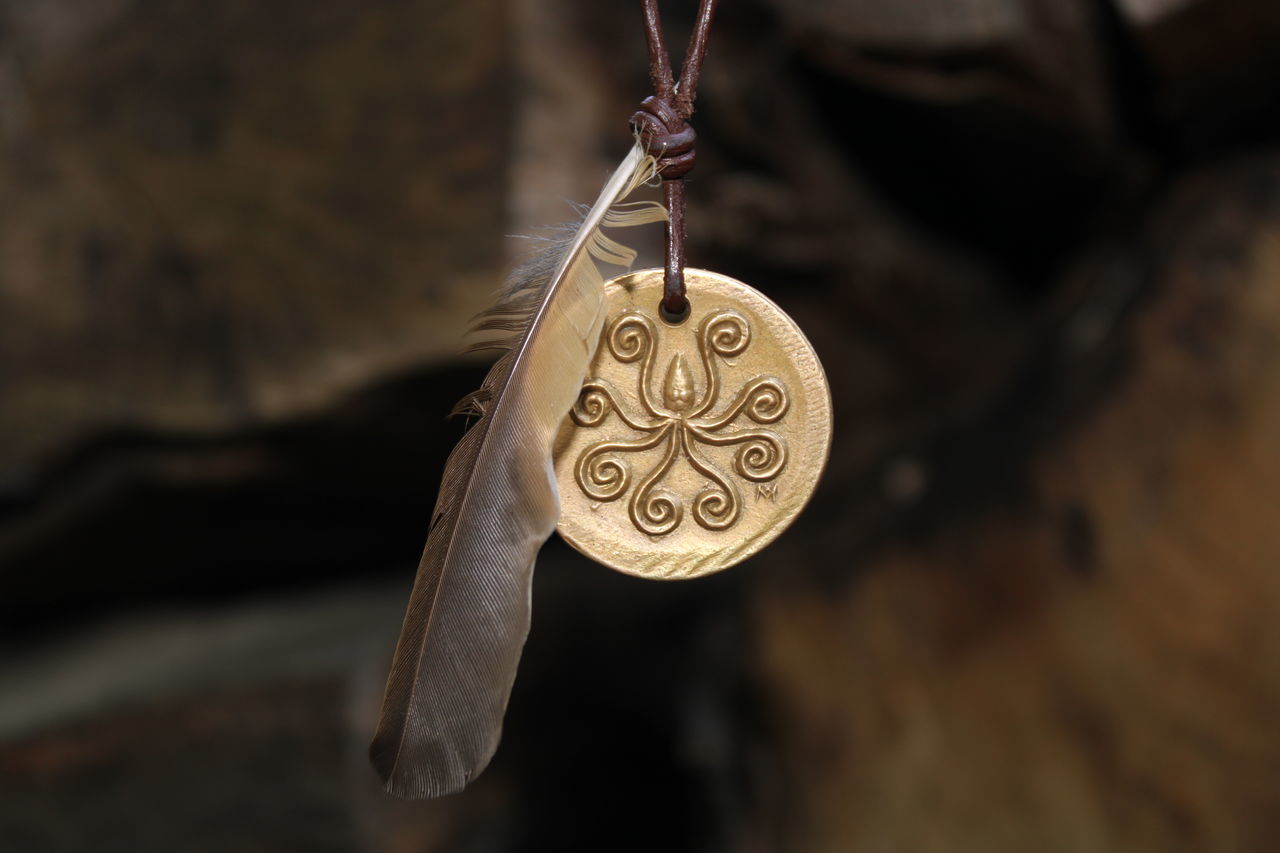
(1034, 606)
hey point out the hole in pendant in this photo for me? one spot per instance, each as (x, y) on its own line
(673, 319)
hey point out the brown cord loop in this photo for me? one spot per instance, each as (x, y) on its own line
(666, 136)
(663, 125)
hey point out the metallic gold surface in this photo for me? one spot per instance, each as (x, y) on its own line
(692, 445)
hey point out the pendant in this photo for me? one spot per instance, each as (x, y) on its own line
(692, 445)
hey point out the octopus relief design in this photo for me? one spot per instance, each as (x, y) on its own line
(682, 423)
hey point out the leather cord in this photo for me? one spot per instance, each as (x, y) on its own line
(662, 123)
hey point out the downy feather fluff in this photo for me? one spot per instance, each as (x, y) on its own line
(468, 615)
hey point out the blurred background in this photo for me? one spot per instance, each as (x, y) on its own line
(1034, 605)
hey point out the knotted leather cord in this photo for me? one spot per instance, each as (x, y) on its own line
(663, 125)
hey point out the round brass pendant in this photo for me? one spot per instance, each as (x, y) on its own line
(692, 445)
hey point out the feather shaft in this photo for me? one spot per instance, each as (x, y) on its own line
(468, 614)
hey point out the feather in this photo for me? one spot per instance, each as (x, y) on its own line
(468, 614)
